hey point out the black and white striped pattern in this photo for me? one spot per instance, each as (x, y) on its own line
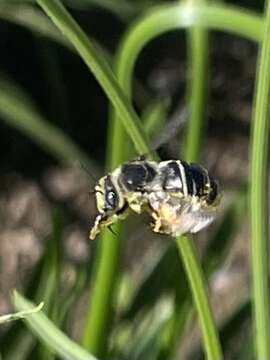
(188, 179)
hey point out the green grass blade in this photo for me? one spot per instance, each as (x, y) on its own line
(20, 314)
(124, 9)
(100, 70)
(34, 20)
(48, 333)
(37, 22)
(179, 16)
(99, 316)
(236, 323)
(198, 287)
(49, 286)
(259, 197)
(108, 259)
(198, 90)
(17, 110)
(198, 87)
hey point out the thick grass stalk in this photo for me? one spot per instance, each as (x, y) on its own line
(259, 197)
(48, 333)
(198, 94)
(198, 287)
(198, 91)
(198, 57)
(100, 313)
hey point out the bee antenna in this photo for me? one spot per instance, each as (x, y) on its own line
(88, 172)
(93, 192)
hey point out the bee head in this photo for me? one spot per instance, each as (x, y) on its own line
(107, 195)
(110, 203)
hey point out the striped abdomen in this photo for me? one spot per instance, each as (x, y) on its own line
(188, 179)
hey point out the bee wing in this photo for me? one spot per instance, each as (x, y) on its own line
(172, 128)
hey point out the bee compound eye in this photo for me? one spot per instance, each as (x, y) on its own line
(111, 200)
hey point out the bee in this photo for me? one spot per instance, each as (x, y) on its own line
(179, 197)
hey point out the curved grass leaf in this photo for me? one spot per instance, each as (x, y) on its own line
(20, 314)
(182, 16)
(18, 111)
(34, 20)
(100, 69)
(49, 334)
(124, 9)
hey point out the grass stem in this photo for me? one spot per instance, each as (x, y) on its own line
(198, 287)
(259, 197)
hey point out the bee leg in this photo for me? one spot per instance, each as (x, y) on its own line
(96, 228)
(156, 224)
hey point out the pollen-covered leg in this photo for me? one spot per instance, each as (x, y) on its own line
(156, 225)
(136, 201)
